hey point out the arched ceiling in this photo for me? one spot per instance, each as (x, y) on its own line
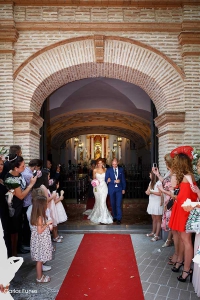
(99, 105)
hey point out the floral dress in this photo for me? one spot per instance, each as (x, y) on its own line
(167, 213)
(41, 246)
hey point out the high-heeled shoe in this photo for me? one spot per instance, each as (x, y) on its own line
(189, 273)
(175, 269)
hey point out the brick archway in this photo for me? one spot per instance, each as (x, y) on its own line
(98, 56)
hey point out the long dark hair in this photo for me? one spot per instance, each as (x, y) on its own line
(43, 180)
(154, 179)
(14, 161)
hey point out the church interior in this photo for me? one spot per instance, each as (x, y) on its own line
(99, 117)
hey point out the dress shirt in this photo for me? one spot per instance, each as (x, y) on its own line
(27, 174)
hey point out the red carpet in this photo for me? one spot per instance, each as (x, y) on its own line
(104, 268)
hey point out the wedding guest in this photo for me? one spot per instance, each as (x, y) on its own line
(17, 166)
(155, 207)
(196, 270)
(43, 182)
(41, 247)
(61, 213)
(4, 213)
(181, 167)
(166, 188)
(14, 149)
(34, 165)
(54, 173)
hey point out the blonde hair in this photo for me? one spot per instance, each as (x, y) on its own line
(39, 206)
(168, 160)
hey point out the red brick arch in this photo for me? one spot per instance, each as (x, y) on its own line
(75, 59)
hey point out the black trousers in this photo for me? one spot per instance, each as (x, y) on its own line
(4, 216)
(26, 232)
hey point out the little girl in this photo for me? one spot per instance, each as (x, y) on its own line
(155, 207)
(43, 183)
(61, 214)
(41, 246)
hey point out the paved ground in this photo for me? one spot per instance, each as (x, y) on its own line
(158, 281)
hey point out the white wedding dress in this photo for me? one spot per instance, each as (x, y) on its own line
(100, 212)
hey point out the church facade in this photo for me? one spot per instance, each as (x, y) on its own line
(47, 44)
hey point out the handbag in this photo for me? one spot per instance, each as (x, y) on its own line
(170, 204)
(171, 201)
(193, 221)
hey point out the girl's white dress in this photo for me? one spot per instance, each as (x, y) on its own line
(53, 211)
(62, 216)
(154, 207)
(100, 212)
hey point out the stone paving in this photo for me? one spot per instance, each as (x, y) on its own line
(158, 281)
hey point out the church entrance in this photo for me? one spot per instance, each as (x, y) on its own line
(108, 108)
(122, 59)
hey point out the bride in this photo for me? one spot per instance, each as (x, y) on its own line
(100, 213)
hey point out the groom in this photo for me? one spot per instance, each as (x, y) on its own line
(115, 179)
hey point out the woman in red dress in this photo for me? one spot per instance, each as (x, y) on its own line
(182, 172)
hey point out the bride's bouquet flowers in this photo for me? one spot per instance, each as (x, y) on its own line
(95, 183)
(11, 183)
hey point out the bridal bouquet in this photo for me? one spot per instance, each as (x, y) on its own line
(11, 183)
(95, 183)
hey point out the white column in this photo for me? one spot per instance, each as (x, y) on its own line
(102, 146)
(119, 152)
(75, 153)
(106, 146)
(88, 146)
(92, 147)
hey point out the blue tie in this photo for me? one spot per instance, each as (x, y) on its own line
(115, 172)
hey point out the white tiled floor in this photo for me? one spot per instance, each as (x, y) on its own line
(158, 281)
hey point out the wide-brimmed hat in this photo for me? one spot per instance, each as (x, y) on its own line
(187, 150)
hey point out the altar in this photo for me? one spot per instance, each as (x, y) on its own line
(90, 147)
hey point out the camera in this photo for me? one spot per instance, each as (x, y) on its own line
(154, 165)
(34, 173)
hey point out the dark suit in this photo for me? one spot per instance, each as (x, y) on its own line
(115, 191)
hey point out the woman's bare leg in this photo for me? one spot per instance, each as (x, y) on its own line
(181, 250)
(176, 246)
(154, 224)
(158, 221)
(188, 251)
